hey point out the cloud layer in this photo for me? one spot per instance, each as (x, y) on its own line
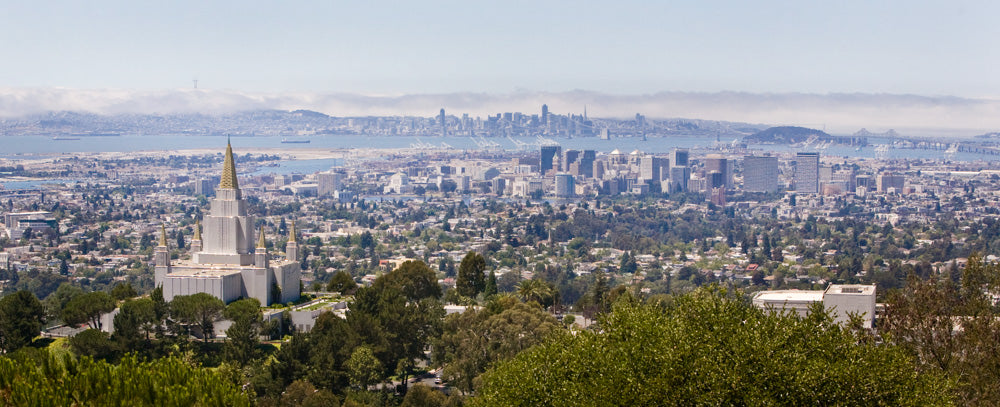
(840, 113)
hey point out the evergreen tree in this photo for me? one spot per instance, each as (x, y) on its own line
(491, 285)
(21, 319)
(471, 277)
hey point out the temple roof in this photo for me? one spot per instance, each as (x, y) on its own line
(163, 235)
(229, 170)
(261, 243)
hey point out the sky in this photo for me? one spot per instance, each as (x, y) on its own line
(622, 47)
(391, 49)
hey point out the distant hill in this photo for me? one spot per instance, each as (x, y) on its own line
(786, 135)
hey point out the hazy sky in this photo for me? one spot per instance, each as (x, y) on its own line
(619, 47)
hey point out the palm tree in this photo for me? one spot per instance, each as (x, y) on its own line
(534, 290)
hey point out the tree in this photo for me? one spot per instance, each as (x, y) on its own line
(343, 283)
(246, 320)
(135, 320)
(21, 319)
(93, 343)
(363, 368)
(952, 328)
(711, 348)
(536, 290)
(88, 308)
(491, 285)
(421, 395)
(199, 309)
(158, 382)
(471, 277)
(180, 240)
(123, 291)
(398, 314)
(473, 341)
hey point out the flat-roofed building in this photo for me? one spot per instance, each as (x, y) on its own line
(840, 300)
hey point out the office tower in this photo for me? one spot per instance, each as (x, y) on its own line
(807, 173)
(760, 174)
(564, 186)
(650, 168)
(587, 163)
(443, 123)
(203, 186)
(498, 185)
(569, 157)
(887, 180)
(679, 177)
(715, 163)
(328, 183)
(549, 154)
(679, 157)
(545, 114)
(715, 179)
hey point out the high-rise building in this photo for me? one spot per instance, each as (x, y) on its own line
(679, 157)
(569, 157)
(760, 174)
(443, 123)
(565, 187)
(328, 182)
(679, 177)
(716, 163)
(650, 168)
(587, 163)
(545, 114)
(807, 173)
(549, 154)
(887, 180)
(225, 263)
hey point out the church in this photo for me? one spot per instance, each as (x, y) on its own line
(225, 262)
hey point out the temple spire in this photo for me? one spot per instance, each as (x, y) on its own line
(197, 230)
(229, 170)
(291, 233)
(261, 243)
(163, 235)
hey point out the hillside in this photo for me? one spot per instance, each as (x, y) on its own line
(786, 135)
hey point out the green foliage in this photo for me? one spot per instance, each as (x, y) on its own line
(471, 280)
(952, 328)
(711, 348)
(199, 309)
(135, 321)
(491, 285)
(363, 368)
(93, 343)
(343, 283)
(162, 382)
(247, 319)
(21, 319)
(423, 396)
(538, 291)
(474, 341)
(123, 291)
(88, 308)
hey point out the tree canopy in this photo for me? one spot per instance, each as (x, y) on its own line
(711, 347)
(21, 319)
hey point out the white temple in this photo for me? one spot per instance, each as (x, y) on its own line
(225, 263)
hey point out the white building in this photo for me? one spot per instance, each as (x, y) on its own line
(840, 300)
(807, 173)
(760, 174)
(225, 264)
